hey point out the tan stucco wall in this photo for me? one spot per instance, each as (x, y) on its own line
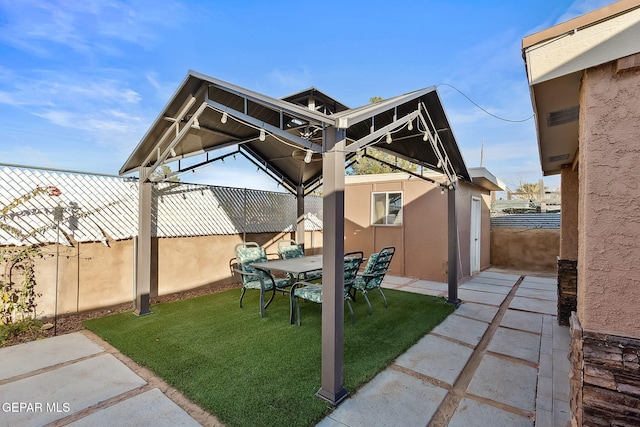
(421, 241)
(93, 275)
(609, 206)
(525, 249)
(90, 275)
(569, 217)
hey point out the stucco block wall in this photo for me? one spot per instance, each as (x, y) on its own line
(526, 249)
(609, 201)
(569, 218)
(93, 275)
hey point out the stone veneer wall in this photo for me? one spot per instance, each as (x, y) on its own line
(567, 289)
(605, 378)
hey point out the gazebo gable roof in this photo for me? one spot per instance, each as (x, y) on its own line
(206, 114)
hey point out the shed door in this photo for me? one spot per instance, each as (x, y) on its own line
(475, 234)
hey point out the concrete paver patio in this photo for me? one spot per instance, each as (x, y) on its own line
(499, 360)
(76, 379)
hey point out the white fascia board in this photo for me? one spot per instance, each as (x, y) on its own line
(584, 48)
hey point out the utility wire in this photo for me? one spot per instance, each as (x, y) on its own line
(489, 113)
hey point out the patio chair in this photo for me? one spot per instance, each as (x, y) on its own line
(290, 249)
(313, 291)
(254, 277)
(375, 270)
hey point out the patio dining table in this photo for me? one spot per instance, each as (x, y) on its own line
(296, 267)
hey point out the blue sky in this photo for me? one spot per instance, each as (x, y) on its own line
(82, 81)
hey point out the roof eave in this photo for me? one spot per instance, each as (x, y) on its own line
(350, 117)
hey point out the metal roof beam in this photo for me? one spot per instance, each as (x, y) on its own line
(436, 144)
(268, 167)
(274, 103)
(367, 140)
(259, 124)
(351, 117)
(391, 165)
(181, 114)
(144, 175)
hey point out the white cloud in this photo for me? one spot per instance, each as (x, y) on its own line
(100, 111)
(88, 27)
(163, 90)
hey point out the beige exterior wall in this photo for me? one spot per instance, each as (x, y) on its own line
(525, 249)
(569, 218)
(93, 275)
(90, 275)
(421, 241)
(609, 205)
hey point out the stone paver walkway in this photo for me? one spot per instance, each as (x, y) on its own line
(499, 360)
(77, 379)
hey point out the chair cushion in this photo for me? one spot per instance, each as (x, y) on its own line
(292, 251)
(248, 255)
(313, 292)
(268, 285)
(371, 263)
(313, 275)
(359, 283)
(310, 292)
(351, 266)
(365, 283)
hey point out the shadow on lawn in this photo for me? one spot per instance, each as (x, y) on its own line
(248, 370)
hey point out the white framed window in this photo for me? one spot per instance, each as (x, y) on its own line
(386, 208)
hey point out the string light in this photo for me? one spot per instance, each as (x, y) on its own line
(224, 117)
(263, 135)
(425, 137)
(410, 125)
(307, 157)
(389, 139)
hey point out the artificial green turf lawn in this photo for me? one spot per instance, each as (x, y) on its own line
(251, 371)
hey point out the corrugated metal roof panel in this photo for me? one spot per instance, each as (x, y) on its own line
(98, 207)
(531, 220)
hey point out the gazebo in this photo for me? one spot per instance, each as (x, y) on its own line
(303, 141)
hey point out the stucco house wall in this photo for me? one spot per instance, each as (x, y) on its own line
(421, 241)
(609, 223)
(594, 62)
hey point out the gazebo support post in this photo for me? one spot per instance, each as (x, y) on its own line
(143, 257)
(452, 225)
(300, 211)
(332, 389)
